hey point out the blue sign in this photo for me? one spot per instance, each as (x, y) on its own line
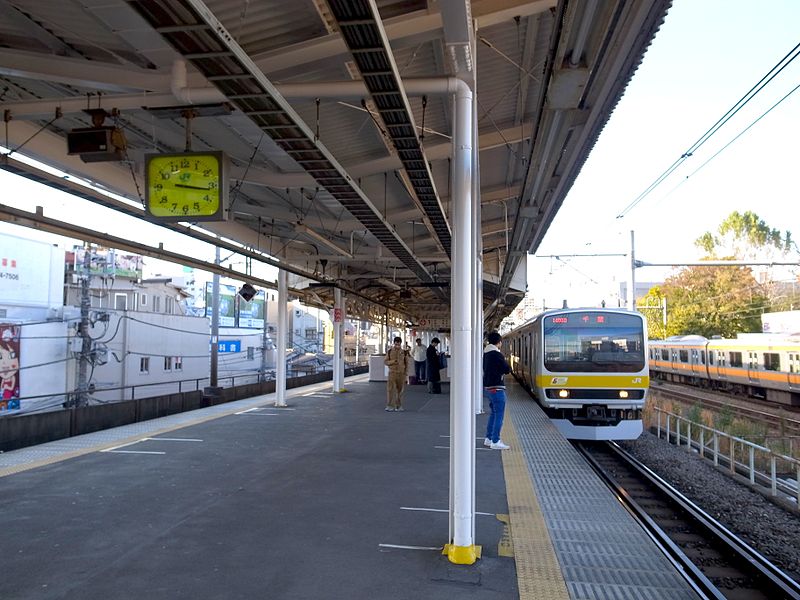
(229, 346)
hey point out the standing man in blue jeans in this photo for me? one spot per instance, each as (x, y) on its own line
(494, 367)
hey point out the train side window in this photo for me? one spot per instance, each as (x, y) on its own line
(710, 357)
(684, 356)
(664, 354)
(735, 359)
(772, 361)
(702, 355)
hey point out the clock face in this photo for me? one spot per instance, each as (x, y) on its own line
(186, 187)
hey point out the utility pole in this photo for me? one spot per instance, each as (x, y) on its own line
(263, 376)
(82, 393)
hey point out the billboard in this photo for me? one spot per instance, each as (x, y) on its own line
(9, 366)
(227, 304)
(251, 314)
(234, 311)
(31, 272)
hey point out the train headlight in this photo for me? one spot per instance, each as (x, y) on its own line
(623, 394)
(563, 393)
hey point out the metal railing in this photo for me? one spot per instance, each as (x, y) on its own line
(710, 442)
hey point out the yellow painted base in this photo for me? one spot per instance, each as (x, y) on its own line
(462, 555)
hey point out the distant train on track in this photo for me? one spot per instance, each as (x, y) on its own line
(587, 368)
(761, 365)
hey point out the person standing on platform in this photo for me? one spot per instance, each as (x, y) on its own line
(420, 357)
(432, 367)
(494, 367)
(397, 361)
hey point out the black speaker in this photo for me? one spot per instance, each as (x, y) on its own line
(247, 292)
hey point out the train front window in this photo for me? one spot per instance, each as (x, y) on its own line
(593, 343)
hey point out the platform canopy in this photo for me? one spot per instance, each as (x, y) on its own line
(332, 118)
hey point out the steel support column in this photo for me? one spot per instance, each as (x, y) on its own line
(280, 353)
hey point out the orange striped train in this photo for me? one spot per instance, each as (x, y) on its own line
(761, 365)
(587, 368)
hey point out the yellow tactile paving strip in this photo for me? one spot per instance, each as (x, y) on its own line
(538, 573)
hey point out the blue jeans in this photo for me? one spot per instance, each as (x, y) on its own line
(419, 370)
(497, 408)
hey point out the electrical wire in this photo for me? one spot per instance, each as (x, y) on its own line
(758, 87)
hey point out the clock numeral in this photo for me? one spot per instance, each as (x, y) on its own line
(174, 206)
(212, 185)
(185, 163)
(158, 187)
(164, 175)
(163, 200)
(185, 209)
(196, 205)
(207, 173)
(207, 198)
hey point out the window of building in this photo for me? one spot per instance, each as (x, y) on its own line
(735, 359)
(143, 299)
(156, 303)
(121, 301)
(178, 363)
(251, 353)
(168, 363)
(144, 364)
(169, 305)
(772, 361)
(311, 334)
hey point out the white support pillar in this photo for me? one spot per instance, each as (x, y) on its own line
(280, 353)
(338, 341)
(462, 549)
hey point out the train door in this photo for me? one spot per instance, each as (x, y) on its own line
(721, 365)
(794, 370)
(752, 367)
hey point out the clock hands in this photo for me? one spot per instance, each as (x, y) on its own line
(191, 187)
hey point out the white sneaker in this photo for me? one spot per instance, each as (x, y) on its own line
(487, 442)
(499, 445)
(389, 409)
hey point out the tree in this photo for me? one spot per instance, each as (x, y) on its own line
(746, 236)
(709, 301)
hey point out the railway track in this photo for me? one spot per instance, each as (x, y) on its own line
(715, 562)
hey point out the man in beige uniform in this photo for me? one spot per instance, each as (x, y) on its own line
(397, 361)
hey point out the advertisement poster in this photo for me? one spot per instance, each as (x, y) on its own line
(227, 304)
(9, 366)
(251, 314)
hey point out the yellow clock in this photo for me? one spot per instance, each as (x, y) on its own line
(190, 186)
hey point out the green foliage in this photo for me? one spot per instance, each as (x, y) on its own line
(745, 235)
(695, 414)
(723, 419)
(712, 301)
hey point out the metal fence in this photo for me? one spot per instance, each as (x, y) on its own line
(759, 464)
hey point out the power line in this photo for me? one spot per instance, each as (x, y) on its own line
(762, 83)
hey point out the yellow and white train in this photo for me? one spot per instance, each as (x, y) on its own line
(761, 365)
(587, 368)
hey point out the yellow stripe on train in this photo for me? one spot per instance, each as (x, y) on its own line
(593, 381)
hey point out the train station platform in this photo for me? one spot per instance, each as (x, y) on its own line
(331, 497)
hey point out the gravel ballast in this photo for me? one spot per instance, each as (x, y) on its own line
(770, 529)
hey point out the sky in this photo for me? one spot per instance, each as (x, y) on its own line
(705, 57)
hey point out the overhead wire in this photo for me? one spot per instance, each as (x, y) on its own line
(758, 87)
